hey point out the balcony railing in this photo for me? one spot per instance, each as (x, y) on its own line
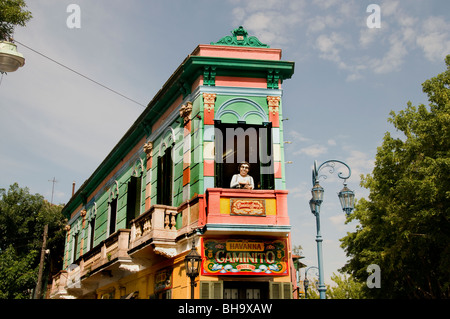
(113, 248)
(111, 257)
(59, 284)
(158, 224)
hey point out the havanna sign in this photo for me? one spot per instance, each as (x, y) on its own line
(244, 257)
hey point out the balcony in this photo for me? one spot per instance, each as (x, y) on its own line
(58, 290)
(241, 211)
(151, 239)
(103, 264)
(156, 227)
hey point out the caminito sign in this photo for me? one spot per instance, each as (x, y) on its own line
(244, 257)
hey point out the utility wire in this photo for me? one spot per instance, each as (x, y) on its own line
(82, 75)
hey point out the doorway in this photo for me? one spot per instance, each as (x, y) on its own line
(245, 290)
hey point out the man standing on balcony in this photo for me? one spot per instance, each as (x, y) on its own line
(242, 180)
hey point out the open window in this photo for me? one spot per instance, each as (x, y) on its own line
(112, 215)
(235, 143)
(164, 178)
(134, 198)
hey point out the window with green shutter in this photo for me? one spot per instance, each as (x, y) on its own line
(280, 290)
(211, 289)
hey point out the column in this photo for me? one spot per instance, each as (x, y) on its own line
(148, 149)
(185, 113)
(209, 100)
(274, 106)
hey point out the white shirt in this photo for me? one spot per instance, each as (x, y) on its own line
(239, 179)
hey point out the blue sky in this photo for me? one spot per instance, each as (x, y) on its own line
(348, 77)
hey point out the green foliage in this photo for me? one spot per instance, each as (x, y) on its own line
(18, 273)
(12, 13)
(22, 220)
(404, 224)
(346, 288)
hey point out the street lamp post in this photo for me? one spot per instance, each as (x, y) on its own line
(306, 281)
(192, 264)
(347, 199)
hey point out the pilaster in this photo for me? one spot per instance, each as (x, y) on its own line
(148, 149)
(274, 104)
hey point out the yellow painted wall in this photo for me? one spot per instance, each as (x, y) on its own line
(144, 282)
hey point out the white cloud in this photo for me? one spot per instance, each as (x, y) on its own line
(329, 26)
(434, 38)
(302, 191)
(338, 221)
(270, 20)
(361, 161)
(389, 8)
(319, 23)
(325, 4)
(368, 36)
(297, 137)
(393, 58)
(312, 150)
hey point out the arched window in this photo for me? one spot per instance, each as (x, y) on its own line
(242, 132)
(134, 193)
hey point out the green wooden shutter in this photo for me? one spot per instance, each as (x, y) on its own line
(211, 289)
(287, 290)
(131, 200)
(280, 290)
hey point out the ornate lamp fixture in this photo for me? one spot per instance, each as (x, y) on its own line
(317, 193)
(10, 59)
(192, 263)
(347, 199)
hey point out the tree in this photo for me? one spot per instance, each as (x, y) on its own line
(22, 220)
(12, 13)
(404, 224)
(346, 288)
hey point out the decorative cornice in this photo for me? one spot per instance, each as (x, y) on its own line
(225, 90)
(240, 38)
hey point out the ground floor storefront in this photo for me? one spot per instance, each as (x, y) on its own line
(232, 267)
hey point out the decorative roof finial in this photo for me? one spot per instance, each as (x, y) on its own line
(240, 38)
